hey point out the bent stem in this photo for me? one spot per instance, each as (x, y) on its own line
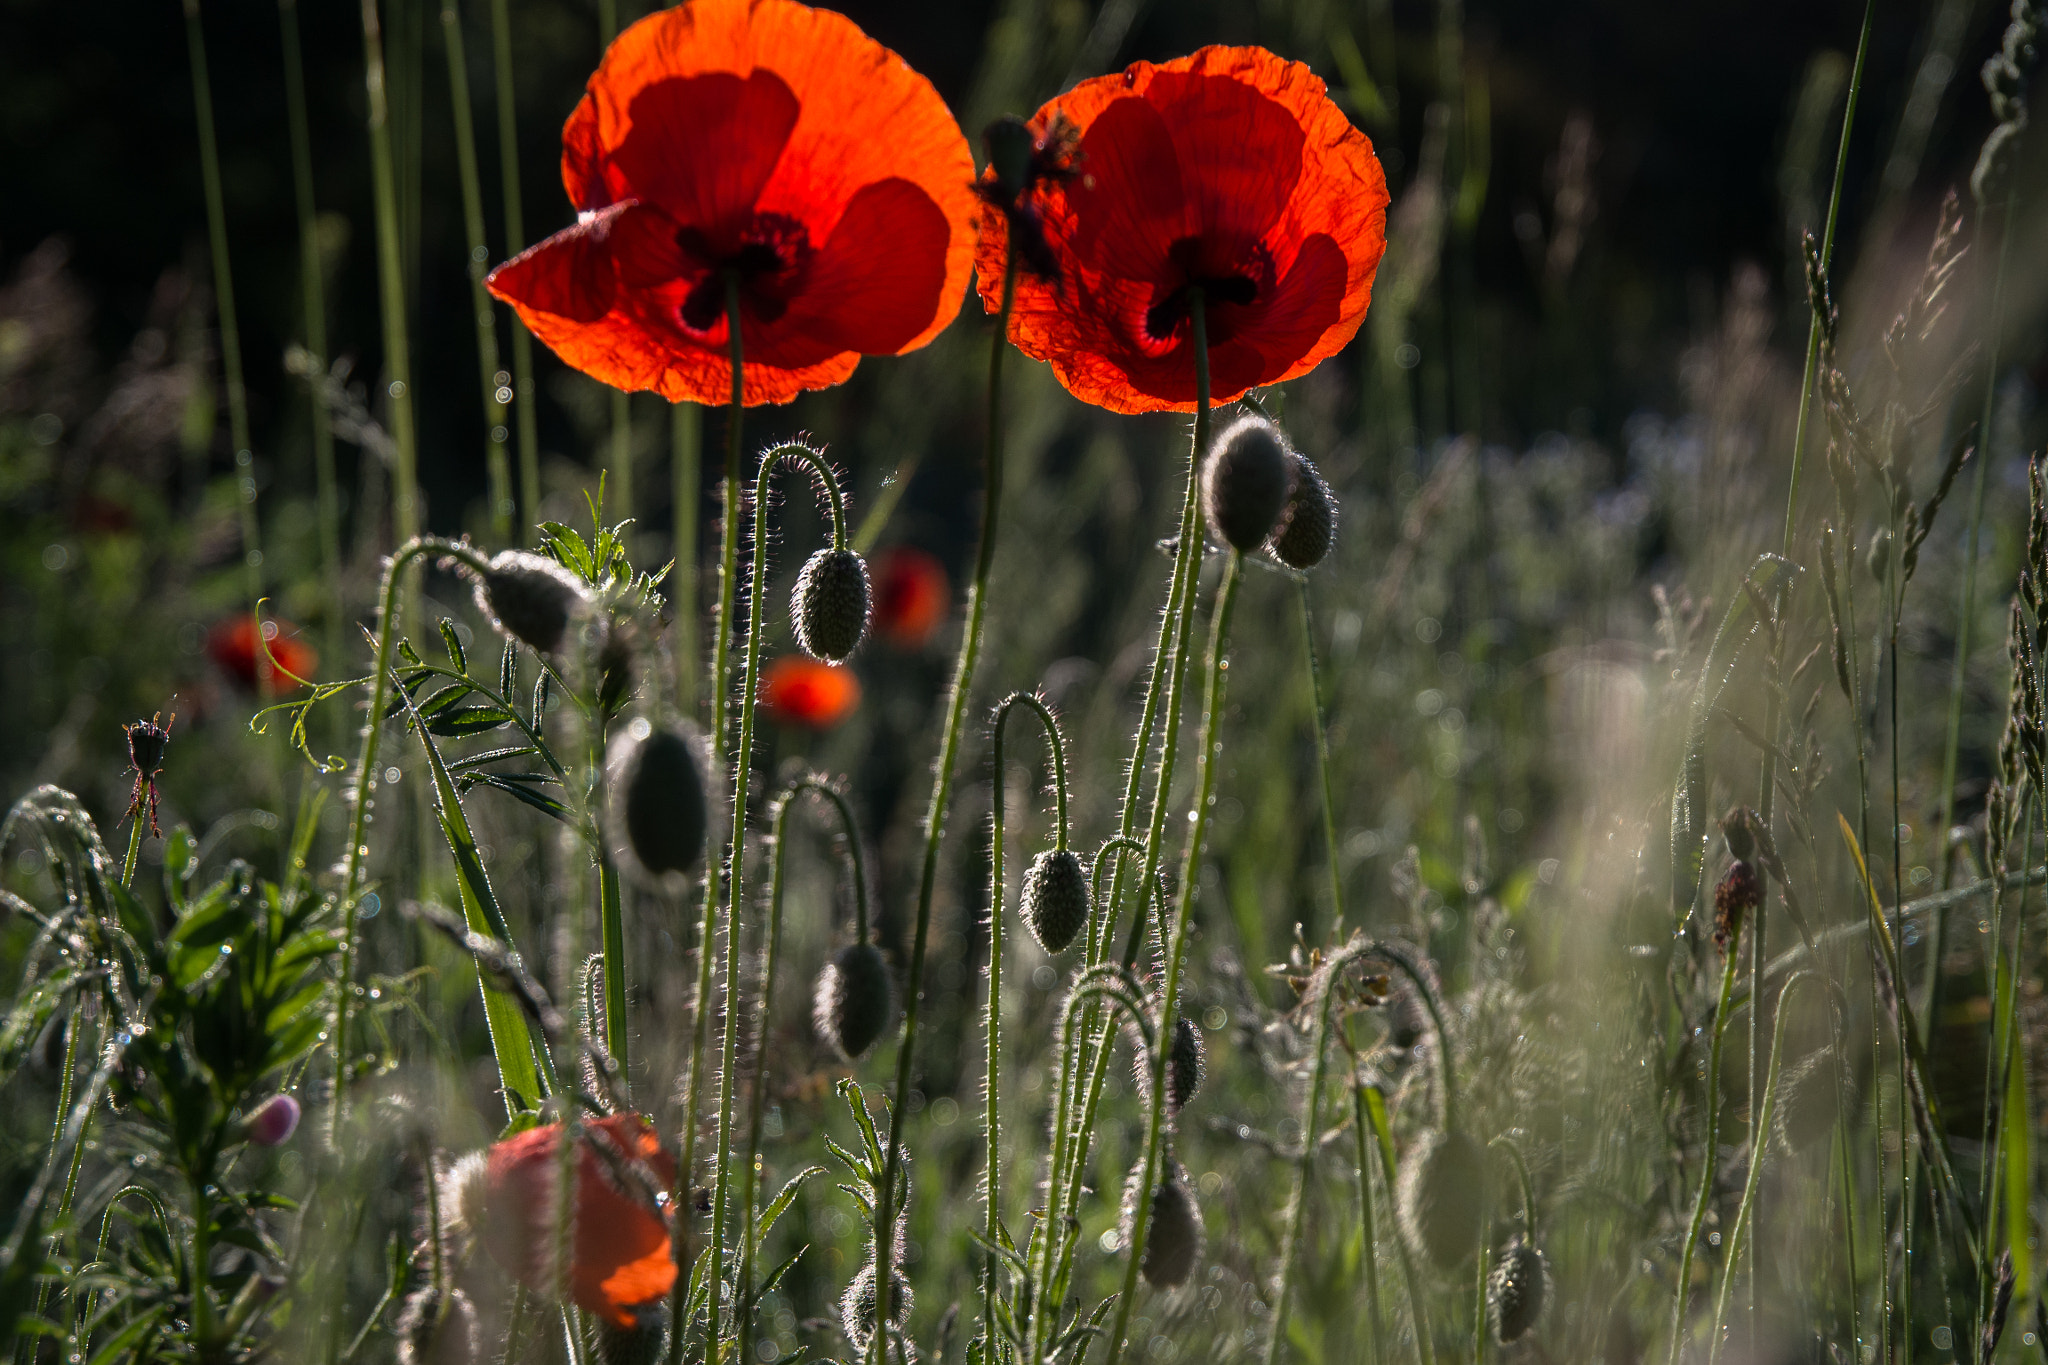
(1707, 1160)
(707, 928)
(1176, 953)
(942, 791)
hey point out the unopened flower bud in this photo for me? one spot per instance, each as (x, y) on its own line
(855, 1000)
(1187, 1063)
(1440, 1197)
(659, 800)
(829, 606)
(1308, 524)
(530, 598)
(1246, 484)
(857, 1305)
(1517, 1291)
(436, 1328)
(272, 1123)
(1055, 900)
(1173, 1228)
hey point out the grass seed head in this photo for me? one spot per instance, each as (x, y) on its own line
(1738, 893)
(855, 1001)
(1247, 482)
(530, 598)
(829, 606)
(660, 802)
(1440, 1199)
(1308, 524)
(857, 1305)
(1517, 1291)
(1055, 900)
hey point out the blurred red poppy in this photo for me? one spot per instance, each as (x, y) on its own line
(1230, 170)
(911, 596)
(232, 645)
(767, 144)
(798, 690)
(620, 1258)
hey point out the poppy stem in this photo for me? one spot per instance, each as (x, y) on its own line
(942, 791)
(707, 931)
(515, 242)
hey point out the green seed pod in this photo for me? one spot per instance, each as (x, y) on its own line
(829, 606)
(660, 806)
(1809, 1098)
(438, 1329)
(1441, 1196)
(1187, 1063)
(1517, 1291)
(1173, 1230)
(1055, 900)
(855, 1000)
(531, 598)
(1308, 525)
(1247, 482)
(857, 1305)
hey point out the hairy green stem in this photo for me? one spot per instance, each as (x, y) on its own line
(686, 435)
(1709, 1153)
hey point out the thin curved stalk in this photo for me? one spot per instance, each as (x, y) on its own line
(942, 789)
(1708, 1159)
(1176, 953)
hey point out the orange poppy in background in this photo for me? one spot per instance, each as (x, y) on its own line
(798, 690)
(232, 644)
(912, 596)
(765, 145)
(1230, 170)
(620, 1260)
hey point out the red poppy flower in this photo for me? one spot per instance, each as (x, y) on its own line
(798, 690)
(232, 644)
(765, 142)
(620, 1257)
(1230, 170)
(911, 596)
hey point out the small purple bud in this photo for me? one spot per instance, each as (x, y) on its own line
(272, 1123)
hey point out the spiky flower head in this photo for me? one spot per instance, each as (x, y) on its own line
(829, 605)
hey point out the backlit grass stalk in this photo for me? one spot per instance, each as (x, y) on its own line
(405, 508)
(1176, 950)
(942, 791)
(515, 242)
(742, 774)
(496, 415)
(686, 436)
(992, 1013)
(1366, 1230)
(1709, 1156)
(1418, 1309)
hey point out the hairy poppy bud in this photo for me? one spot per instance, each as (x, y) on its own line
(1187, 1062)
(436, 1328)
(1440, 1197)
(1055, 901)
(855, 1000)
(272, 1123)
(829, 605)
(531, 598)
(660, 803)
(1246, 484)
(1517, 1291)
(1173, 1228)
(644, 1343)
(857, 1305)
(1308, 524)
(1738, 893)
(1809, 1097)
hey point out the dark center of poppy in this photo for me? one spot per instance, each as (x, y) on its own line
(769, 261)
(1202, 266)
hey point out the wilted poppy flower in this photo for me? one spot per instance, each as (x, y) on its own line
(767, 144)
(1229, 170)
(798, 690)
(620, 1259)
(232, 645)
(911, 596)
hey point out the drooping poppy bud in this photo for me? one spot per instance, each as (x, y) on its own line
(1308, 524)
(272, 1123)
(855, 1000)
(1517, 1291)
(620, 1265)
(530, 598)
(1173, 1228)
(912, 596)
(1055, 899)
(801, 691)
(1440, 1197)
(857, 1305)
(1246, 483)
(436, 1328)
(1187, 1063)
(1737, 895)
(659, 800)
(829, 606)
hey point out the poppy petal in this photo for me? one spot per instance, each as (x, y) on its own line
(569, 275)
(738, 128)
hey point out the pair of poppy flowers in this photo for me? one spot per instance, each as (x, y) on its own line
(765, 159)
